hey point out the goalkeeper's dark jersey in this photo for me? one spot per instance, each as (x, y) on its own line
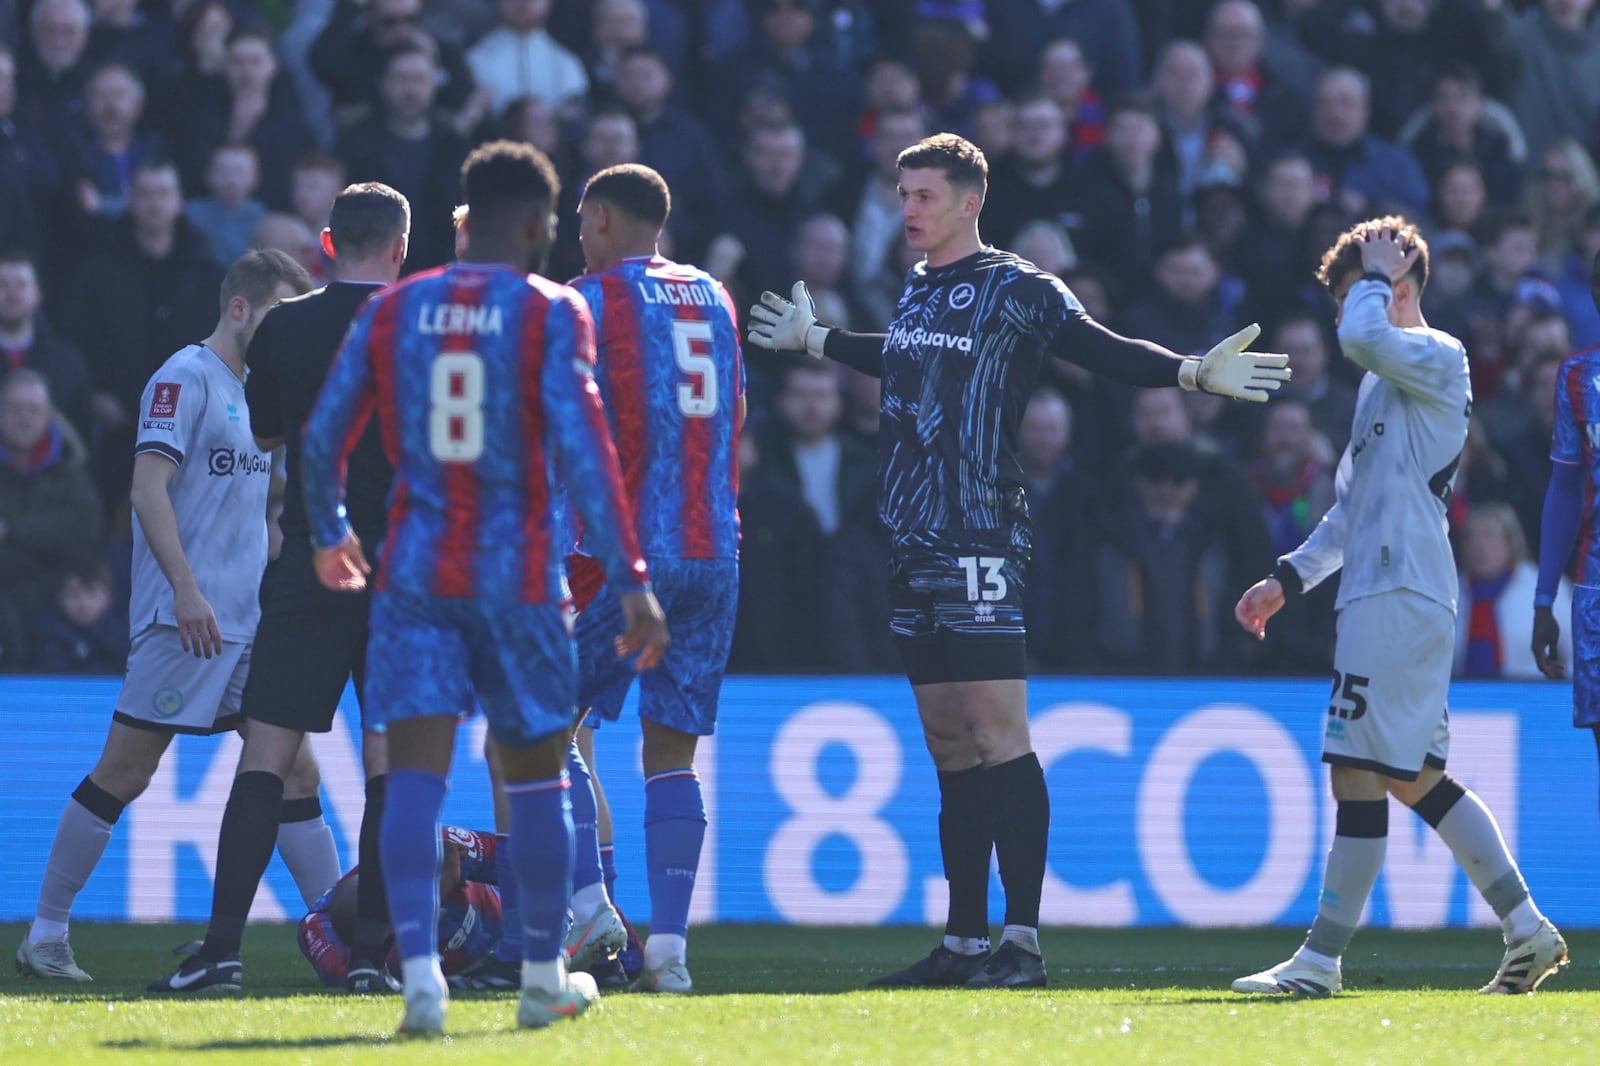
(958, 364)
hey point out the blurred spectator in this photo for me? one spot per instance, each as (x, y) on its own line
(314, 184)
(49, 515)
(781, 552)
(868, 198)
(609, 138)
(1047, 246)
(1064, 77)
(1576, 284)
(229, 213)
(1192, 119)
(1106, 30)
(994, 128)
(618, 26)
(407, 149)
(1483, 477)
(519, 58)
(352, 52)
(803, 447)
(1510, 245)
(1033, 181)
(1254, 84)
(1182, 311)
(878, 295)
(153, 289)
(1330, 400)
(769, 200)
(1460, 198)
(1060, 500)
(309, 19)
(104, 151)
(1400, 45)
(1447, 301)
(675, 144)
(943, 59)
(1527, 448)
(142, 36)
(1564, 188)
(1555, 49)
(1222, 222)
(1163, 594)
(1494, 628)
(818, 256)
(789, 50)
(1366, 174)
(531, 120)
(1286, 194)
(55, 69)
(81, 631)
(890, 87)
(291, 236)
(855, 625)
(1293, 472)
(203, 33)
(1458, 124)
(1127, 207)
(28, 170)
(27, 341)
(252, 106)
(863, 401)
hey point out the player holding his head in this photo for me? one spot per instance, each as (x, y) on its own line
(312, 642)
(1388, 732)
(481, 376)
(958, 364)
(1574, 475)
(199, 549)
(670, 373)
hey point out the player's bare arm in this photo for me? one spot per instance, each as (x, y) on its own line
(1547, 643)
(197, 623)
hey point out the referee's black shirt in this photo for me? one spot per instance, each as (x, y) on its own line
(288, 360)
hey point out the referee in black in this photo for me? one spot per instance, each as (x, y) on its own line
(311, 641)
(958, 363)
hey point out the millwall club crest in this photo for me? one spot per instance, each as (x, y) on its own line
(961, 296)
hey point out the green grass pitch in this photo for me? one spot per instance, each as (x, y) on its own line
(789, 995)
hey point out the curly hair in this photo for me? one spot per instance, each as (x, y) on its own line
(1345, 256)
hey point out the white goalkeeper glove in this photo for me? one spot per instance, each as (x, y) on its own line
(787, 325)
(1229, 370)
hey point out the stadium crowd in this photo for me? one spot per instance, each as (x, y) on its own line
(1181, 164)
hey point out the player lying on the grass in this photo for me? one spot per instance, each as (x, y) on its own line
(1388, 730)
(469, 912)
(199, 550)
(969, 335)
(1574, 485)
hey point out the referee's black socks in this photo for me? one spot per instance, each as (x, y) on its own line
(249, 833)
(372, 904)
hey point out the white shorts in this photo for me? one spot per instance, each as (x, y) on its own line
(1391, 685)
(169, 689)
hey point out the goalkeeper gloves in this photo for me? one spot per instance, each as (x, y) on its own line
(787, 325)
(1229, 370)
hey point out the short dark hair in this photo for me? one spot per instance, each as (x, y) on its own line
(961, 161)
(366, 218)
(402, 50)
(14, 255)
(1456, 70)
(153, 163)
(256, 274)
(319, 159)
(635, 189)
(1344, 257)
(504, 174)
(1498, 221)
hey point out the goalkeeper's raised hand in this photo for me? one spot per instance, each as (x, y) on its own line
(787, 325)
(1229, 370)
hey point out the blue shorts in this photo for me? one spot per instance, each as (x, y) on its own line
(700, 598)
(1585, 657)
(429, 655)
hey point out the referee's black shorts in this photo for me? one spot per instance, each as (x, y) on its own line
(956, 611)
(310, 643)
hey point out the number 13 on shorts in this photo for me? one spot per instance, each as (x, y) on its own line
(984, 578)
